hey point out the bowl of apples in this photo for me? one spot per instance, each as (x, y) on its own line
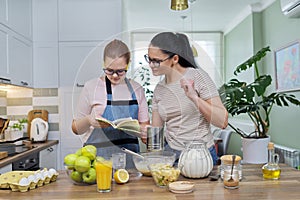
(80, 166)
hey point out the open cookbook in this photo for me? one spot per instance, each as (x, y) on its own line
(127, 125)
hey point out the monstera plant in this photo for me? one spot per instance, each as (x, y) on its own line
(250, 98)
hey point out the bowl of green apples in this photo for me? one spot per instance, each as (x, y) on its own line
(80, 166)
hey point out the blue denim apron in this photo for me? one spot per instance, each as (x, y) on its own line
(110, 140)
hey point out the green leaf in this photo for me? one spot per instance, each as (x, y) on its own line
(252, 60)
(240, 97)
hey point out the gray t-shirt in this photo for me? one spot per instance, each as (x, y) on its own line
(183, 121)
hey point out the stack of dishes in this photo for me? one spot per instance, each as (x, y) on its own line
(181, 187)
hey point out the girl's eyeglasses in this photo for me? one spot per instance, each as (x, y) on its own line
(119, 72)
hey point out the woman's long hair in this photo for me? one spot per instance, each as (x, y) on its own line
(175, 44)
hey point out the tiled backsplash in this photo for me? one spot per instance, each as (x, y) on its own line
(15, 103)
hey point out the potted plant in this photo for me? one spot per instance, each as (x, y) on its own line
(251, 99)
(16, 130)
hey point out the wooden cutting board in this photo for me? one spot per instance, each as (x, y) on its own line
(36, 114)
(3, 154)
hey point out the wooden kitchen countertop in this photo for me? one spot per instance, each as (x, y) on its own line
(253, 186)
(37, 148)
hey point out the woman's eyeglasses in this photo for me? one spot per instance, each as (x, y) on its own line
(119, 72)
(155, 63)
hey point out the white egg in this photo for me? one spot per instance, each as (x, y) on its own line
(46, 174)
(36, 179)
(42, 176)
(24, 181)
(52, 171)
(31, 178)
(38, 176)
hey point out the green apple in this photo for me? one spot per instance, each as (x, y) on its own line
(70, 160)
(76, 176)
(89, 176)
(89, 151)
(78, 152)
(82, 164)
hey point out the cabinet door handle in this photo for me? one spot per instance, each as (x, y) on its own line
(50, 149)
(79, 85)
(5, 80)
(24, 83)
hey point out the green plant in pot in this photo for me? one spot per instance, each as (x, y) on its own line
(16, 130)
(20, 125)
(251, 99)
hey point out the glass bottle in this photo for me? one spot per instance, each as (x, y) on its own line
(271, 170)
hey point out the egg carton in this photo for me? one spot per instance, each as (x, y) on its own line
(22, 181)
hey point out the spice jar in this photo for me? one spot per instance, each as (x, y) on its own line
(226, 163)
(231, 179)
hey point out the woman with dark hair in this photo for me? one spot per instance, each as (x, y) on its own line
(186, 101)
(112, 96)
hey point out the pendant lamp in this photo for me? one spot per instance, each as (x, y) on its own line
(179, 4)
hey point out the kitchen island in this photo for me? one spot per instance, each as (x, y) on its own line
(252, 186)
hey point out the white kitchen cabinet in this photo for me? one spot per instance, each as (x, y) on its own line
(5, 169)
(48, 157)
(3, 53)
(3, 11)
(16, 42)
(20, 17)
(69, 142)
(20, 60)
(45, 65)
(89, 20)
(45, 44)
(45, 17)
(79, 62)
(15, 58)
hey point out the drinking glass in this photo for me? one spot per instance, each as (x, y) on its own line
(155, 138)
(119, 161)
(104, 174)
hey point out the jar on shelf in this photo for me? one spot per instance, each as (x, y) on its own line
(226, 163)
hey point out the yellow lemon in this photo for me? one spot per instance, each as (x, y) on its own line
(121, 176)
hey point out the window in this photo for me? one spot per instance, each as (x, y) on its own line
(208, 46)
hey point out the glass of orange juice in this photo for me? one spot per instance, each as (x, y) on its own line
(104, 174)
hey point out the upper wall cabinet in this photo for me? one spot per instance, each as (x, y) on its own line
(45, 20)
(15, 58)
(20, 61)
(45, 43)
(79, 62)
(20, 17)
(3, 11)
(3, 54)
(16, 42)
(89, 20)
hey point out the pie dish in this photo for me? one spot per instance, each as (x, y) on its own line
(181, 187)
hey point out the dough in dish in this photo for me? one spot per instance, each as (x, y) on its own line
(181, 186)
